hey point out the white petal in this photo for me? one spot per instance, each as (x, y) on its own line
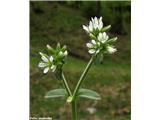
(53, 67)
(90, 26)
(89, 45)
(111, 49)
(100, 25)
(61, 53)
(65, 53)
(93, 41)
(49, 47)
(44, 58)
(91, 51)
(95, 22)
(104, 35)
(85, 28)
(42, 64)
(100, 36)
(107, 37)
(46, 70)
(51, 58)
(100, 19)
(41, 53)
(92, 19)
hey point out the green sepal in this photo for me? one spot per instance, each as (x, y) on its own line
(56, 93)
(92, 36)
(90, 94)
(50, 49)
(98, 58)
(112, 40)
(106, 29)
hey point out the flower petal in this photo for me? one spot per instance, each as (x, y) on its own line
(100, 36)
(85, 28)
(111, 49)
(93, 41)
(100, 26)
(95, 24)
(46, 70)
(104, 35)
(89, 45)
(53, 68)
(61, 53)
(44, 58)
(51, 58)
(42, 64)
(65, 53)
(90, 26)
(91, 51)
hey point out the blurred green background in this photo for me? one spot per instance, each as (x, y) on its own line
(52, 22)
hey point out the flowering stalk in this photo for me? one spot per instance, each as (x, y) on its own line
(99, 44)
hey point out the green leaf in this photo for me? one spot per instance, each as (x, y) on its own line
(90, 94)
(56, 93)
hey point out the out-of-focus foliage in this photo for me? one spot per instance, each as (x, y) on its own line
(53, 22)
(115, 13)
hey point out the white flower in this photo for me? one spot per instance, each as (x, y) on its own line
(65, 53)
(93, 46)
(46, 63)
(101, 44)
(53, 68)
(60, 53)
(46, 70)
(94, 24)
(102, 37)
(89, 45)
(111, 49)
(54, 60)
(92, 51)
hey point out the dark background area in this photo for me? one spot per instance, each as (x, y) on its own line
(52, 22)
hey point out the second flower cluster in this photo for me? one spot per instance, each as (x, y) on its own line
(100, 42)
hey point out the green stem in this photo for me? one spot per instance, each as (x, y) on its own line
(74, 110)
(82, 77)
(66, 85)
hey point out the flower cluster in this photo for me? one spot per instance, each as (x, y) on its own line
(100, 42)
(94, 25)
(54, 60)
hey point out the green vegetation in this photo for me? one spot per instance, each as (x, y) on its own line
(52, 22)
(110, 79)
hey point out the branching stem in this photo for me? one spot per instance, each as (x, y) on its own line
(82, 77)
